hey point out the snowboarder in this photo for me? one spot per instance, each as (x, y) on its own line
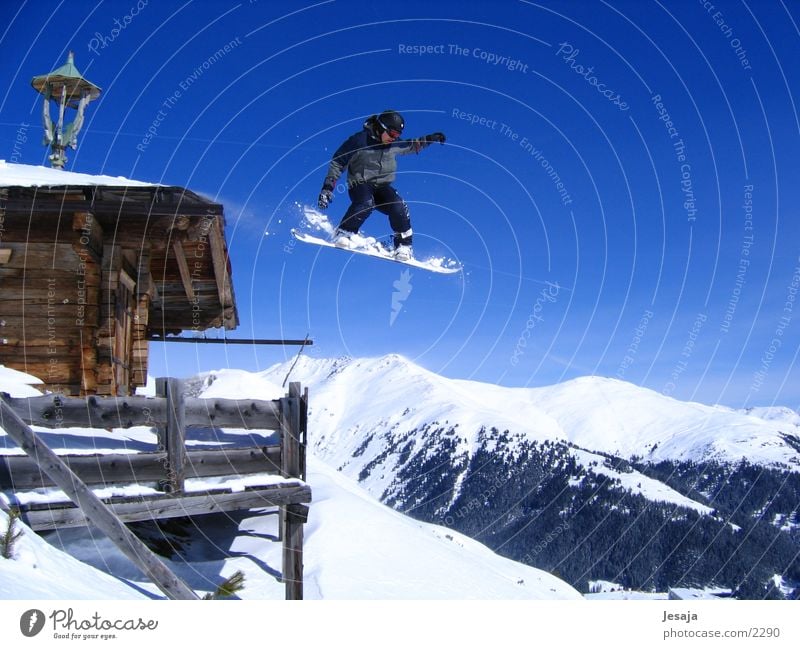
(369, 157)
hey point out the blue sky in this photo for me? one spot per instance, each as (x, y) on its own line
(619, 182)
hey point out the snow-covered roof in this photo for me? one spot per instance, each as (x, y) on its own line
(19, 175)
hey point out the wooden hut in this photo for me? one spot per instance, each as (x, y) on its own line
(91, 267)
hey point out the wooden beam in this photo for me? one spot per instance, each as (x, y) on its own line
(219, 258)
(57, 411)
(304, 435)
(172, 436)
(228, 341)
(43, 516)
(108, 211)
(127, 281)
(19, 472)
(183, 267)
(290, 432)
(92, 508)
(144, 279)
(294, 516)
(89, 235)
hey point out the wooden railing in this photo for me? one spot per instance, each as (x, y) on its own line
(170, 465)
(171, 414)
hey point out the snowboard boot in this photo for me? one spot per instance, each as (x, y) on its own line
(402, 245)
(343, 239)
(403, 252)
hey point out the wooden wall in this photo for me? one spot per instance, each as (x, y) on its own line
(70, 311)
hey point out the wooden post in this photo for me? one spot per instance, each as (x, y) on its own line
(290, 431)
(173, 437)
(93, 508)
(289, 413)
(294, 517)
(304, 434)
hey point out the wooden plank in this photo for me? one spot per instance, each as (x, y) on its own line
(55, 366)
(79, 314)
(32, 274)
(52, 257)
(5, 255)
(56, 282)
(19, 472)
(40, 346)
(58, 515)
(43, 348)
(92, 508)
(38, 228)
(55, 298)
(53, 373)
(39, 324)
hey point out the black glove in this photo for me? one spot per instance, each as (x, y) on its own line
(435, 137)
(325, 199)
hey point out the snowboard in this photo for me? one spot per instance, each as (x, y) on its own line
(373, 248)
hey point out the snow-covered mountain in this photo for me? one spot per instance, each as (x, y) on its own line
(390, 396)
(592, 462)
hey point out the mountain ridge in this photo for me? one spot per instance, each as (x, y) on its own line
(595, 413)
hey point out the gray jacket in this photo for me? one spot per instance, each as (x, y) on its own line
(367, 159)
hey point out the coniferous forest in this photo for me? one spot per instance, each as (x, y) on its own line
(536, 503)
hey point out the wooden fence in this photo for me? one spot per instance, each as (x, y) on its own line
(171, 465)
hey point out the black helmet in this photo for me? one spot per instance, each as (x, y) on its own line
(391, 120)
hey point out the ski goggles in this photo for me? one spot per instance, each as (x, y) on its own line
(392, 133)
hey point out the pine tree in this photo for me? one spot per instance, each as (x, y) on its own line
(10, 536)
(229, 587)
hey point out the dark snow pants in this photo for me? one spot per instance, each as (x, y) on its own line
(366, 197)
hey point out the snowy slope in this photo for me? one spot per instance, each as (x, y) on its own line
(355, 548)
(358, 548)
(40, 571)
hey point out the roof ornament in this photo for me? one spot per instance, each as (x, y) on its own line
(68, 89)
